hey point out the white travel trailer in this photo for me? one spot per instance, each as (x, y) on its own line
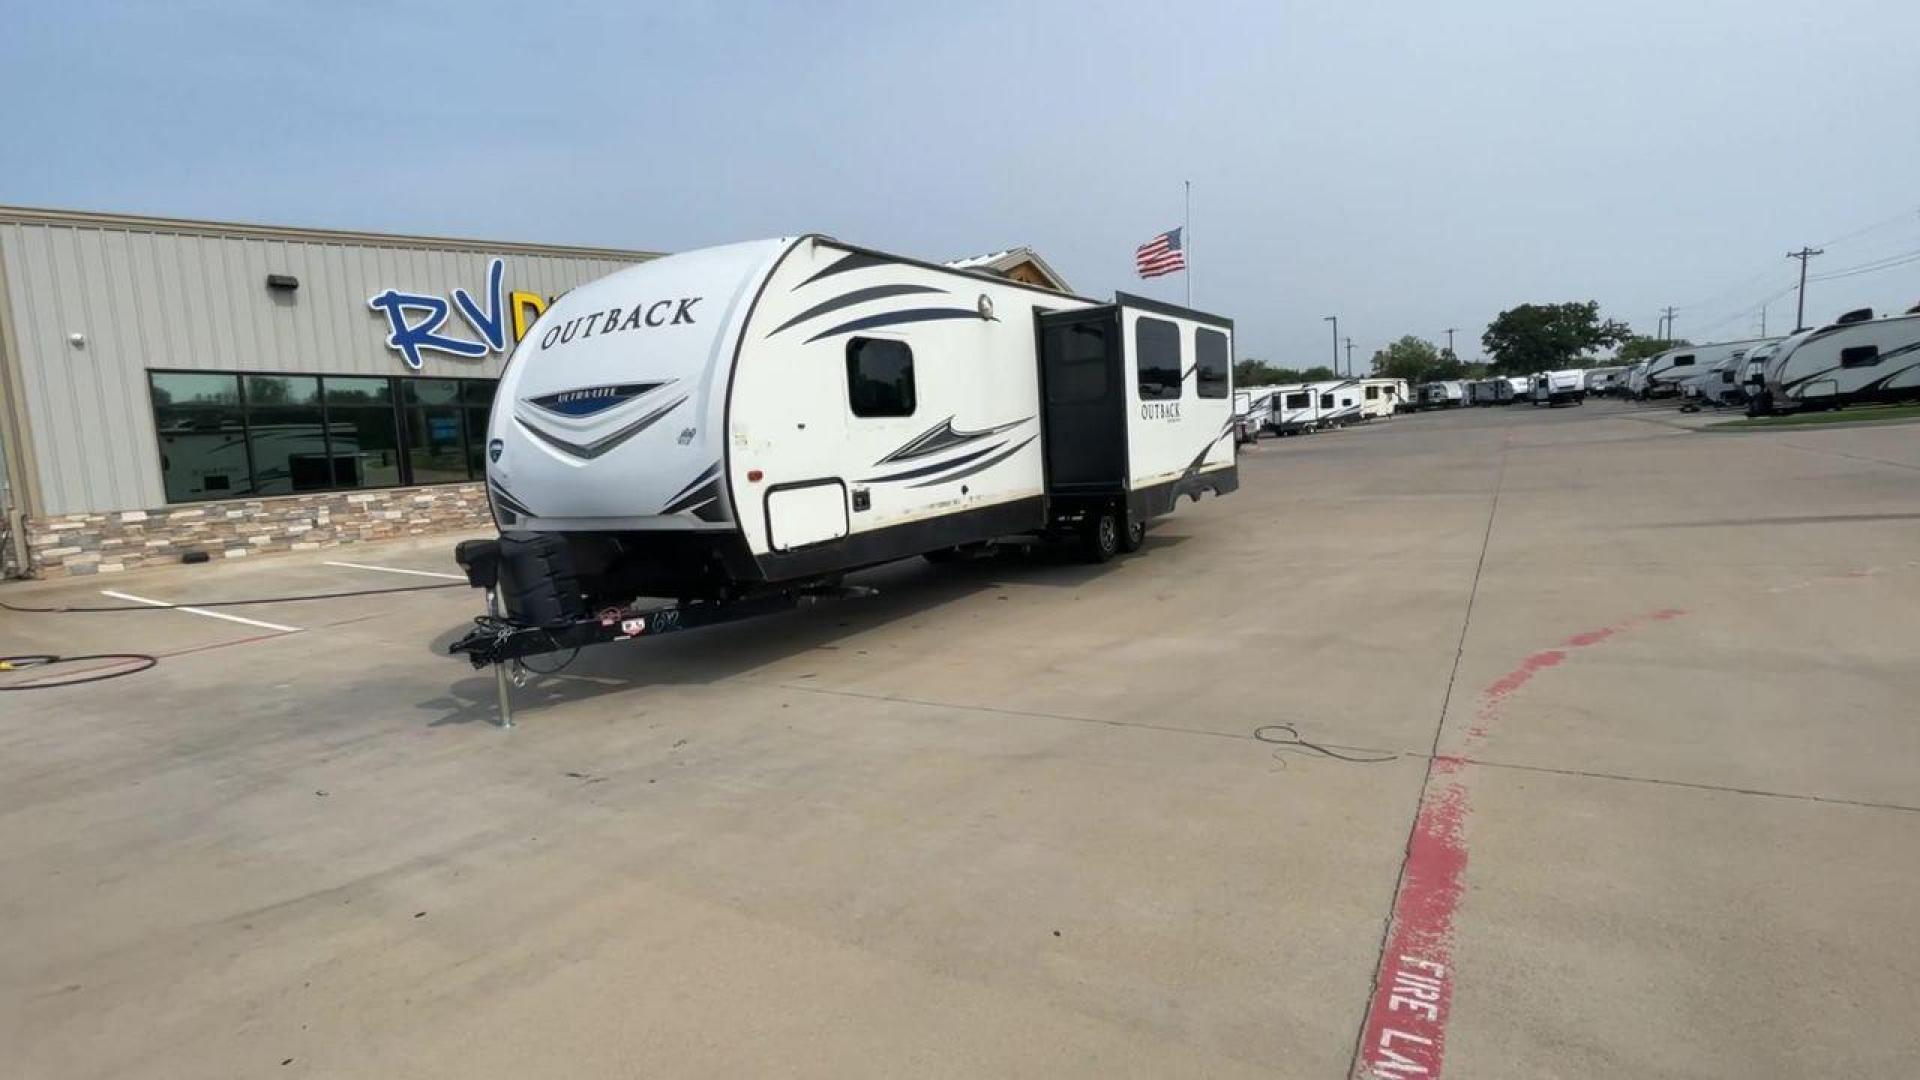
(1855, 361)
(1520, 386)
(1489, 392)
(755, 420)
(1381, 398)
(1753, 370)
(1296, 410)
(1338, 402)
(1601, 380)
(1635, 384)
(1721, 384)
(1252, 412)
(1665, 372)
(1552, 388)
(1446, 394)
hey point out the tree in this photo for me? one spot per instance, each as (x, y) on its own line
(1417, 360)
(1639, 348)
(1251, 372)
(1542, 337)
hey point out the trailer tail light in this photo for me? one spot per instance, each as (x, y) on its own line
(754, 475)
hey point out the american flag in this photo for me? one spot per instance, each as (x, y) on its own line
(1160, 255)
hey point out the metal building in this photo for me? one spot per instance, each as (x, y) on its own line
(172, 386)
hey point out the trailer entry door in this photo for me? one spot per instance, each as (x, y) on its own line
(1083, 390)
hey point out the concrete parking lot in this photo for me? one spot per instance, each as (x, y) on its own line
(1649, 804)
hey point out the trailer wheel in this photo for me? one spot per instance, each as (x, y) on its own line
(1100, 536)
(1134, 535)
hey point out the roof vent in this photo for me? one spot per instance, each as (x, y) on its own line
(1854, 316)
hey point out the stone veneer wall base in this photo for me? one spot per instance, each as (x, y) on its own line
(73, 544)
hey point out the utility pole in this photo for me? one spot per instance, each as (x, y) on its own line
(1349, 358)
(1450, 351)
(1666, 323)
(1335, 320)
(1805, 253)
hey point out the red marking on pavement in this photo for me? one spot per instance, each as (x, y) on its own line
(1406, 1029)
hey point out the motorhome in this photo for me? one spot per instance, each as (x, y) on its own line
(1338, 402)
(1550, 388)
(1856, 360)
(763, 417)
(1381, 398)
(1489, 392)
(1445, 394)
(1666, 372)
(1295, 410)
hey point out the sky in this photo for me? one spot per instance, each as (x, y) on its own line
(1409, 167)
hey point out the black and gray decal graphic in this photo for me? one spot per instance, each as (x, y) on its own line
(856, 261)
(588, 400)
(897, 318)
(981, 467)
(857, 296)
(1200, 459)
(505, 501)
(701, 495)
(943, 436)
(597, 447)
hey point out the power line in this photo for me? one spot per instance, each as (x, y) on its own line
(1887, 263)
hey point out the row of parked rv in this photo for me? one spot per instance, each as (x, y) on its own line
(1304, 408)
(1855, 360)
(1569, 387)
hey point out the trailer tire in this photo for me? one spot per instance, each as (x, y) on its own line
(1133, 536)
(1100, 535)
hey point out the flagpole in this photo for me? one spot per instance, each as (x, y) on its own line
(1186, 232)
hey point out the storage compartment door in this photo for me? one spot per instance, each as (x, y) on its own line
(799, 515)
(1084, 393)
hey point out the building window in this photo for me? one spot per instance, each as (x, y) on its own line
(476, 397)
(203, 436)
(434, 423)
(1156, 358)
(1212, 371)
(228, 435)
(880, 377)
(365, 439)
(286, 434)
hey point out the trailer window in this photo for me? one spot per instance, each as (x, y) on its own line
(1683, 361)
(1211, 369)
(1373, 392)
(1296, 401)
(1860, 356)
(1156, 358)
(880, 377)
(1326, 401)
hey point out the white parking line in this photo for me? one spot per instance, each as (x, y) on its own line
(398, 570)
(200, 611)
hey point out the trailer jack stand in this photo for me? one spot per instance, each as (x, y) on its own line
(498, 641)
